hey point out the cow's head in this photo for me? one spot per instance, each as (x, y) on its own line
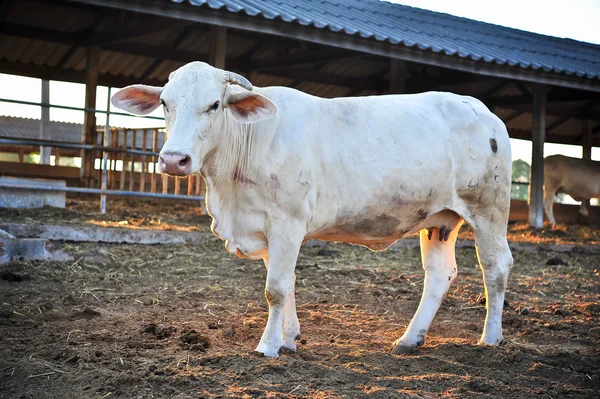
(197, 101)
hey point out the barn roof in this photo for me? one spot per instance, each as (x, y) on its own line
(328, 48)
(428, 31)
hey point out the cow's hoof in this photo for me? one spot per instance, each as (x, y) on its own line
(490, 342)
(403, 349)
(287, 351)
(264, 350)
(290, 343)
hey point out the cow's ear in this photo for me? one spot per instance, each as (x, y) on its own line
(248, 107)
(137, 99)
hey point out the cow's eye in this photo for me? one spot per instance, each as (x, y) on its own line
(215, 106)
(162, 102)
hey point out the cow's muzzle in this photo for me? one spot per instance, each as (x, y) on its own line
(175, 163)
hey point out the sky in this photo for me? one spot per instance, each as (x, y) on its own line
(575, 19)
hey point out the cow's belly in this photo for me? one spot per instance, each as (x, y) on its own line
(581, 190)
(377, 226)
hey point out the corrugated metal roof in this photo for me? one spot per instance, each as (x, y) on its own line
(428, 31)
(66, 132)
(27, 128)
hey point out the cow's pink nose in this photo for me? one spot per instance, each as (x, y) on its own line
(175, 163)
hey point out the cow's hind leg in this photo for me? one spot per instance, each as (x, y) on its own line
(495, 260)
(549, 194)
(291, 325)
(439, 262)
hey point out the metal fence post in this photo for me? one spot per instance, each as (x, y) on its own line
(105, 143)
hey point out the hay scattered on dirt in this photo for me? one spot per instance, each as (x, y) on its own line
(88, 328)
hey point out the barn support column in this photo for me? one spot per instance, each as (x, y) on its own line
(586, 144)
(398, 75)
(586, 138)
(88, 135)
(217, 53)
(44, 133)
(538, 137)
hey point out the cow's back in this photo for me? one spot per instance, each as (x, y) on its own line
(398, 156)
(579, 178)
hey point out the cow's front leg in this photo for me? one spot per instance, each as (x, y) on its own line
(291, 325)
(279, 291)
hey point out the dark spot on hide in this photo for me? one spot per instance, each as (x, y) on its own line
(422, 215)
(275, 185)
(421, 336)
(379, 226)
(240, 178)
(500, 285)
(473, 184)
(494, 145)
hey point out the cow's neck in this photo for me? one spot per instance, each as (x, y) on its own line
(232, 154)
(234, 165)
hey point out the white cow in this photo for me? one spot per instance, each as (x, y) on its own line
(579, 178)
(282, 167)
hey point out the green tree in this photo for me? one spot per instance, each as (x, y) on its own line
(520, 174)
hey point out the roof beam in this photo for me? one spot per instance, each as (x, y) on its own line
(47, 35)
(174, 44)
(165, 52)
(577, 113)
(299, 59)
(552, 97)
(136, 29)
(67, 75)
(310, 75)
(184, 11)
(514, 115)
(417, 83)
(496, 89)
(557, 123)
(69, 53)
(170, 53)
(551, 138)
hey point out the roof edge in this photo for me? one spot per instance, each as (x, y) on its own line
(237, 20)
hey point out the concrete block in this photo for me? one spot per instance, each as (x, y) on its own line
(29, 249)
(28, 194)
(103, 234)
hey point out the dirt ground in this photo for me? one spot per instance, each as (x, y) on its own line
(185, 216)
(181, 321)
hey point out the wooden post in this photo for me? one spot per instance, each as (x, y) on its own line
(44, 122)
(586, 138)
(144, 162)
(398, 76)
(165, 184)
(586, 144)
(177, 185)
(538, 137)
(89, 121)
(112, 175)
(154, 161)
(123, 161)
(132, 168)
(190, 184)
(218, 47)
